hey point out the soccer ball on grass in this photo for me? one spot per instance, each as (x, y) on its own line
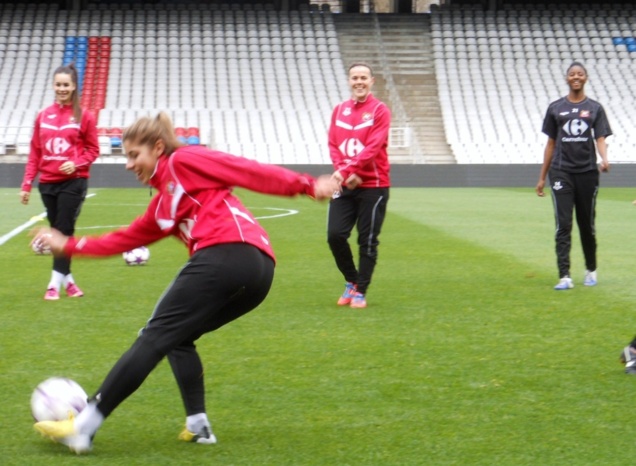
(56, 398)
(137, 256)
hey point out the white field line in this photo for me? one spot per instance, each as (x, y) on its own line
(21, 228)
(284, 213)
(42, 216)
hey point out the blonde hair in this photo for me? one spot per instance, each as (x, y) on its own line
(148, 130)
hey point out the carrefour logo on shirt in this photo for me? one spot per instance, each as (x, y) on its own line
(575, 128)
(57, 145)
(351, 147)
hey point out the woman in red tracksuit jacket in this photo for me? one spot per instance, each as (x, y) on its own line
(229, 272)
(358, 140)
(63, 147)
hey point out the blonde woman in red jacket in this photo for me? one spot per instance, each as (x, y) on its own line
(228, 274)
(63, 147)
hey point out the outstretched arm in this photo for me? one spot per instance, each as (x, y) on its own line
(197, 170)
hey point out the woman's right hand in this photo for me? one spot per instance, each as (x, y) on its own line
(50, 238)
(24, 197)
(325, 186)
(539, 188)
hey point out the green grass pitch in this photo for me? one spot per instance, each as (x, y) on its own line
(465, 355)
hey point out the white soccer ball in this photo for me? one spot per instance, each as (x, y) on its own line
(138, 256)
(57, 397)
(39, 247)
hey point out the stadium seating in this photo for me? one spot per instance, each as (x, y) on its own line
(273, 72)
(498, 70)
(224, 59)
(259, 82)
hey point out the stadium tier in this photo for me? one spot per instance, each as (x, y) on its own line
(247, 77)
(498, 71)
(252, 80)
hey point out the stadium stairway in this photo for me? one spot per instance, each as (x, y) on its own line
(409, 62)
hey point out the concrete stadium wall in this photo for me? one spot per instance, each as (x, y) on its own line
(517, 175)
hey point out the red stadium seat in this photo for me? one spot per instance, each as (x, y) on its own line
(192, 131)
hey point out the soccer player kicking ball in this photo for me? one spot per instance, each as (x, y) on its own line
(229, 272)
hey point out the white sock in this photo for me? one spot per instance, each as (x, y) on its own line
(89, 420)
(68, 279)
(196, 422)
(56, 280)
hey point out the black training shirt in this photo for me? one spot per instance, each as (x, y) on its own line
(574, 127)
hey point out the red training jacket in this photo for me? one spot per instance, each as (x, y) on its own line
(195, 203)
(358, 140)
(58, 138)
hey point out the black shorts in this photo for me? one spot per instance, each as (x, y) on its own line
(63, 202)
(216, 286)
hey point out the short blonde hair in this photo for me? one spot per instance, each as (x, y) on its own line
(147, 131)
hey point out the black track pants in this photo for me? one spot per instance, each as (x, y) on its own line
(63, 202)
(574, 192)
(366, 208)
(216, 286)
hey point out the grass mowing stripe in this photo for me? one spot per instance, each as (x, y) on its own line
(518, 223)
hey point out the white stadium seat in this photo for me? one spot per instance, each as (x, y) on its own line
(493, 109)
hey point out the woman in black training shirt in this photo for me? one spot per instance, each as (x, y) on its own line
(576, 127)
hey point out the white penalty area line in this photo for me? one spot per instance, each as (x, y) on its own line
(17, 230)
(42, 216)
(283, 213)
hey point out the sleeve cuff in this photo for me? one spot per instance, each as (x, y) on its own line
(69, 248)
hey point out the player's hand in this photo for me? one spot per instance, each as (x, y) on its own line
(50, 238)
(353, 181)
(325, 186)
(68, 167)
(604, 167)
(338, 177)
(539, 188)
(24, 197)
